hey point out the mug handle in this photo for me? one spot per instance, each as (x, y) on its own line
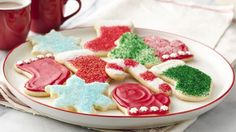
(69, 16)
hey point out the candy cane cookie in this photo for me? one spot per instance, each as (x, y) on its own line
(117, 68)
(42, 71)
(85, 65)
(136, 100)
(190, 83)
(107, 33)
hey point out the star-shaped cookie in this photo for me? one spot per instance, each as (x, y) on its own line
(79, 96)
(53, 42)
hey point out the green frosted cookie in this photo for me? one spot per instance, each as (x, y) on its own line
(190, 83)
(129, 45)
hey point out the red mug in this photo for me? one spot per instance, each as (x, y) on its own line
(15, 22)
(49, 14)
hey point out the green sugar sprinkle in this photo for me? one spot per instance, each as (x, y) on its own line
(190, 81)
(133, 47)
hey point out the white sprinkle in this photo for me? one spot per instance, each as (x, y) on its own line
(143, 109)
(48, 55)
(181, 52)
(165, 56)
(27, 61)
(34, 59)
(164, 108)
(19, 62)
(133, 110)
(40, 56)
(188, 52)
(173, 55)
(154, 108)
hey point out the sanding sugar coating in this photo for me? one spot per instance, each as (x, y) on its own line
(133, 47)
(190, 81)
(90, 68)
(54, 42)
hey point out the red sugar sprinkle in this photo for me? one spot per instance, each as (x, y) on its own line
(165, 87)
(90, 68)
(130, 62)
(148, 76)
(115, 66)
(105, 42)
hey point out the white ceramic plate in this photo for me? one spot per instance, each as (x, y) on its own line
(205, 59)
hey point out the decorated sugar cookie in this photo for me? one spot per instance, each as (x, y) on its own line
(129, 45)
(190, 83)
(117, 69)
(85, 64)
(107, 33)
(79, 96)
(136, 100)
(42, 71)
(53, 42)
(167, 50)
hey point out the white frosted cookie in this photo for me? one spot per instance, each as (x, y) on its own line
(53, 42)
(107, 33)
(190, 83)
(118, 69)
(42, 71)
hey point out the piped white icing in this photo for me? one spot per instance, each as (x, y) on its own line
(133, 110)
(159, 69)
(165, 56)
(173, 55)
(19, 62)
(154, 108)
(164, 108)
(181, 52)
(143, 109)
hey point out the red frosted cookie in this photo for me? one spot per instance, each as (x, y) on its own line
(85, 65)
(167, 50)
(107, 33)
(136, 100)
(42, 71)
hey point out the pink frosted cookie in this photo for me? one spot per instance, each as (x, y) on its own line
(42, 71)
(107, 33)
(117, 69)
(167, 50)
(85, 65)
(136, 100)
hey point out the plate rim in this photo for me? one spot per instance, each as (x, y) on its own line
(112, 116)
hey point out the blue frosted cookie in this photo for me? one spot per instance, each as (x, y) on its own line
(53, 42)
(79, 96)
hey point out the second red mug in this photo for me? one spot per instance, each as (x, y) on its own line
(49, 14)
